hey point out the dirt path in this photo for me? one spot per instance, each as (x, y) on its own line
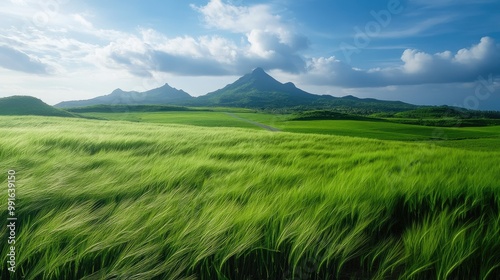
(270, 128)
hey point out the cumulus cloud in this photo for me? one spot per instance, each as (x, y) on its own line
(61, 43)
(417, 67)
(252, 21)
(151, 51)
(270, 43)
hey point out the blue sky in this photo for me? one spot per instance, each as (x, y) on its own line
(419, 51)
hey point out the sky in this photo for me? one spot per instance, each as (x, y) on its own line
(426, 52)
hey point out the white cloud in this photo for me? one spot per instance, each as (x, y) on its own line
(70, 41)
(478, 53)
(83, 21)
(415, 61)
(270, 43)
(151, 52)
(268, 35)
(417, 67)
(239, 19)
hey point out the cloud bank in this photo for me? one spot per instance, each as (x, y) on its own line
(268, 42)
(417, 67)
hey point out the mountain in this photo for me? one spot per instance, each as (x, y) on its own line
(27, 105)
(260, 90)
(256, 90)
(162, 95)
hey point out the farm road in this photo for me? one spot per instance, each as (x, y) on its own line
(267, 127)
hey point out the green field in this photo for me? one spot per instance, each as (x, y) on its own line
(209, 119)
(370, 129)
(158, 199)
(473, 138)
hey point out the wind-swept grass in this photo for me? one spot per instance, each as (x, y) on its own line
(197, 118)
(121, 200)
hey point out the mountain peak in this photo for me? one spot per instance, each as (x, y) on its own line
(258, 75)
(259, 89)
(350, 97)
(117, 91)
(258, 70)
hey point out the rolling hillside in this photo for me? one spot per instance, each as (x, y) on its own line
(27, 105)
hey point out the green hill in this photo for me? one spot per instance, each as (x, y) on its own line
(27, 105)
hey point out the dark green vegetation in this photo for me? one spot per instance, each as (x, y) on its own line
(123, 200)
(444, 116)
(448, 122)
(447, 112)
(27, 105)
(328, 115)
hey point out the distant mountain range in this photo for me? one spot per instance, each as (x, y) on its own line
(256, 90)
(158, 96)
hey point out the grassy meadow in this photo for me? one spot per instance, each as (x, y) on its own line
(207, 119)
(483, 138)
(158, 199)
